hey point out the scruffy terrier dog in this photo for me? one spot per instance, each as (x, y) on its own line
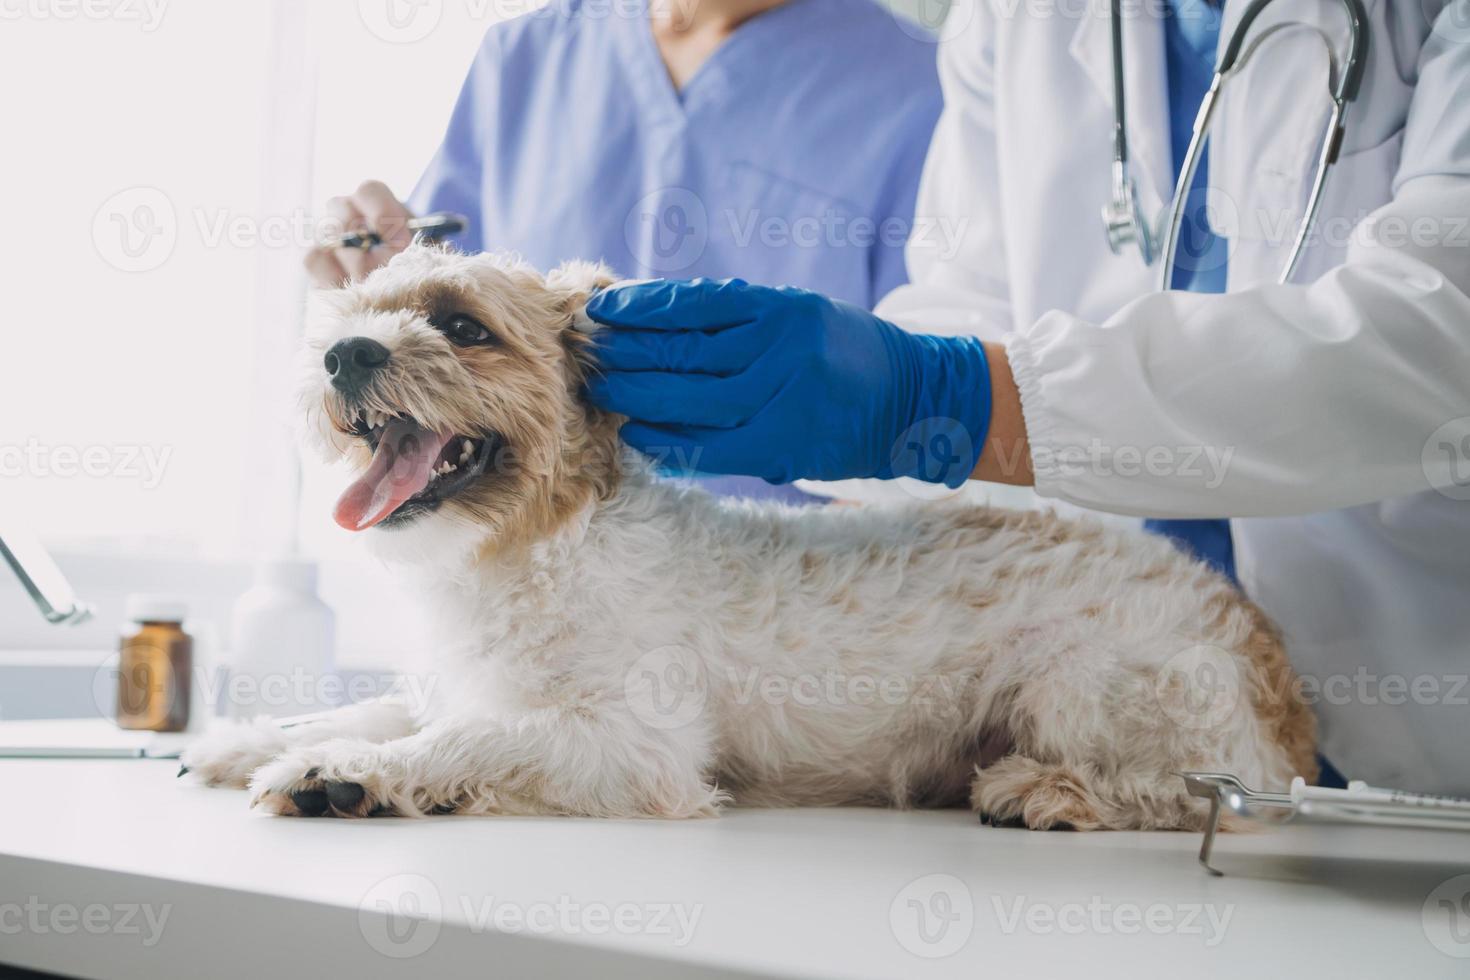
(608, 644)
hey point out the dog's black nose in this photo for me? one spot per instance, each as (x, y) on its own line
(351, 363)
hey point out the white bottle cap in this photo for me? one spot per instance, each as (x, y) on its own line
(293, 574)
(143, 607)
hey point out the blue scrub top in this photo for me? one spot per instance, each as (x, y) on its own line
(791, 157)
(1191, 37)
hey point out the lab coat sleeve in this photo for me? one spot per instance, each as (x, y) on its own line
(1271, 401)
(1280, 400)
(956, 249)
(454, 177)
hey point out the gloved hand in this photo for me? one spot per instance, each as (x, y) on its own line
(726, 377)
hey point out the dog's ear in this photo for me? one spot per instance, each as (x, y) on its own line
(575, 283)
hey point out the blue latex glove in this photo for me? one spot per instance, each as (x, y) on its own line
(785, 384)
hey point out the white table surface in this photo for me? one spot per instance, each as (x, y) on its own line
(800, 893)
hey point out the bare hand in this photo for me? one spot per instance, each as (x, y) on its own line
(371, 208)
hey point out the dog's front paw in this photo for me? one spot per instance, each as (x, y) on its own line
(343, 778)
(227, 754)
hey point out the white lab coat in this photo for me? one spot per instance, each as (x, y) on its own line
(1333, 409)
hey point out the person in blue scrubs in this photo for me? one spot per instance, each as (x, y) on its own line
(790, 156)
(1191, 37)
(777, 141)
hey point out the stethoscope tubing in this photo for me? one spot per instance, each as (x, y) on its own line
(1236, 55)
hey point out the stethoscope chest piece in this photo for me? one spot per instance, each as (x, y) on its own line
(1124, 220)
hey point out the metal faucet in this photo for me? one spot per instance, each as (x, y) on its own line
(37, 571)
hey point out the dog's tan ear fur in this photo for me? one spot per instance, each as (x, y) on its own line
(576, 282)
(593, 433)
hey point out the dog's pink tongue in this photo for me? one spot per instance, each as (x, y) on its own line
(401, 467)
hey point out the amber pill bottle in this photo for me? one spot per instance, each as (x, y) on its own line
(155, 663)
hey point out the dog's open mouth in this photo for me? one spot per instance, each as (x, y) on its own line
(414, 469)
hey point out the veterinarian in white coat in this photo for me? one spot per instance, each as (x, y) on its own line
(1330, 418)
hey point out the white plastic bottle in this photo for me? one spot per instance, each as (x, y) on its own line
(282, 658)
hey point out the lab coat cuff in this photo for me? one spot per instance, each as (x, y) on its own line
(1025, 360)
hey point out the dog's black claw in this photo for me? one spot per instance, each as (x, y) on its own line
(183, 771)
(345, 797)
(311, 802)
(1007, 822)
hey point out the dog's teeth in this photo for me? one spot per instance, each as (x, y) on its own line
(469, 447)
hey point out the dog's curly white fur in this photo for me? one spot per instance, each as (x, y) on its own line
(613, 645)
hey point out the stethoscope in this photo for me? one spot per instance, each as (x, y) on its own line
(1123, 217)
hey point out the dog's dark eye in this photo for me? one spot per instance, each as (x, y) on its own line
(464, 331)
